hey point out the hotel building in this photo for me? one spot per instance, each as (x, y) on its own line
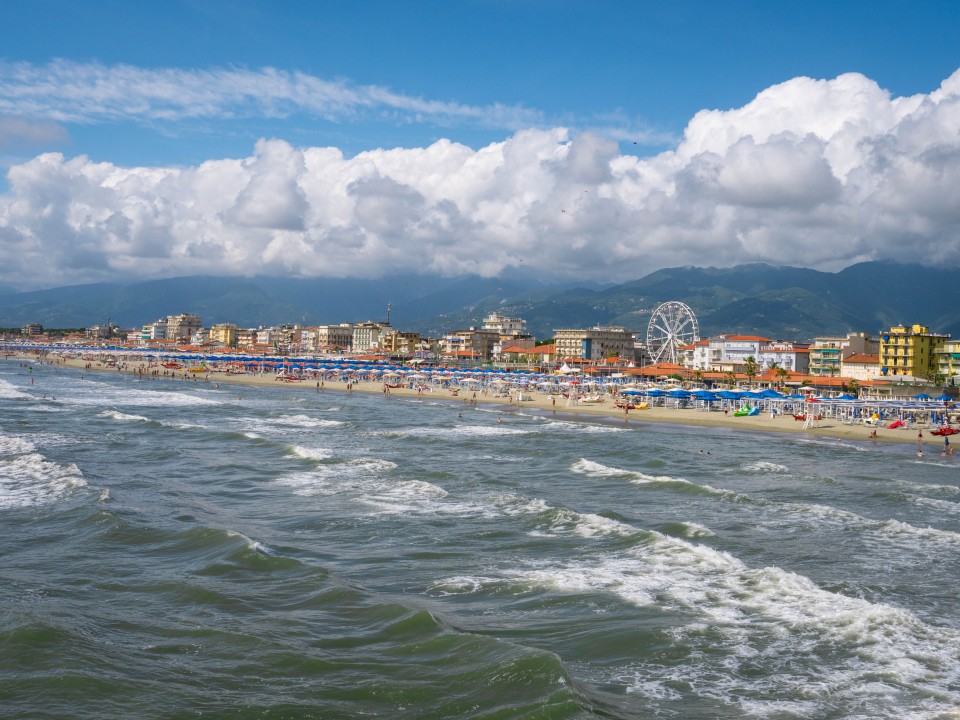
(910, 351)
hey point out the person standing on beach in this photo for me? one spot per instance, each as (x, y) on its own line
(920, 443)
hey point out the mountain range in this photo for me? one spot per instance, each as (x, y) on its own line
(786, 303)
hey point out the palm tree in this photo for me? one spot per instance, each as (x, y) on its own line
(782, 375)
(750, 369)
(731, 378)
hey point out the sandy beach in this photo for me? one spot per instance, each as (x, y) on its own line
(540, 403)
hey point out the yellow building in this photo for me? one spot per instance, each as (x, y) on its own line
(225, 333)
(910, 351)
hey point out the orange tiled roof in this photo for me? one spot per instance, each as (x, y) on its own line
(863, 359)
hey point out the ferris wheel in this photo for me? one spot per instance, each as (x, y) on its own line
(672, 326)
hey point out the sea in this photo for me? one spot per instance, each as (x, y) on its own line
(180, 549)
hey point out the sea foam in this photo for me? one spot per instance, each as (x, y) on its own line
(28, 478)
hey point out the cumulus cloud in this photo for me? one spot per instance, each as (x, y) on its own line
(818, 173)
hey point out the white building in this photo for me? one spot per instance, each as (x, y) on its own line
(861, 366)
(595, 343)
(368, 336)
(334, 338)
(504, 325)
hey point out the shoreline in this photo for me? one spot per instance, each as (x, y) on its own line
(541, 403)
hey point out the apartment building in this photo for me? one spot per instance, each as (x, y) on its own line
(225, 333)
(947, 360)
(478, 342)
(369, 335)
(595, 343)
(181, 327)
(828, 353)
(910, 351)
(401, 343)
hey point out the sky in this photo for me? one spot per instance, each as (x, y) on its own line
(597, 140)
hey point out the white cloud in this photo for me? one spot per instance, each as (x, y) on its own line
(813, 173)
(67, 91)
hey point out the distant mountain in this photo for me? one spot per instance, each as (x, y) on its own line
(777, 302)
(252, 302)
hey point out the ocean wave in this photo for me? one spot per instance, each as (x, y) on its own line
(117, 415)
(949, 506)
(306, 421)
(825, 648)
(562, 521)
(886, 529)
(107, 394)
(586, 428)
(461, 432)
(31, 479)
(9, 391)
(15, 445)
(311, 453)
(764, 466)
(595, 469)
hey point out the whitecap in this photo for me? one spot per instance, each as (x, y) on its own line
(311, 453)
(117, 415)
(595, 469)
(15, 445)
(9, 391)
(586, 428)
(764, 466)
(31, 479)
(464, 431)
(306, 421)
(772, 617)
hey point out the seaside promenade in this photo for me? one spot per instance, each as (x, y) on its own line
(544, 397)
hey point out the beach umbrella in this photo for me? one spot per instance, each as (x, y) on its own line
(845, 396)
(944, 397)
(922, 396)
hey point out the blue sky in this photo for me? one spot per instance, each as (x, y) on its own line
(586, 111)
